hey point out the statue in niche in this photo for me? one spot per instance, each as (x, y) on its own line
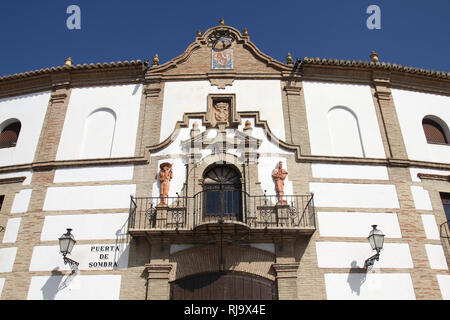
(165, 175)
(279, 174)
(221, 111)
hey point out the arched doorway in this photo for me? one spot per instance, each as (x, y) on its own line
(222, 193)
(225, 285)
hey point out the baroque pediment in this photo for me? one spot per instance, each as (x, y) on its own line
(221, 51)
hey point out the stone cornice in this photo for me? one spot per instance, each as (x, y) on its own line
(12, 180)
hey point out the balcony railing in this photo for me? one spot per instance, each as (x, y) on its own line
(255, 212)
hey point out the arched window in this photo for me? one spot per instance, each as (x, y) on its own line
(99, 134)
(10, 134)
(435, 130)
(222, 193)
(345, 132)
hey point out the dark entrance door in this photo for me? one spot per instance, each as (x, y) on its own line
(223, 286)
(222, 194)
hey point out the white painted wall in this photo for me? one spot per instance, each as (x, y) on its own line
(48, 258)
(251, 95)
(2, 284)
(430, 226)
(372, 286)
(353, 254)
(7, 257)
(415, 171)
(86, 226)
(21, 201)
(108, 173)
(357, 224)
(89, 197)
(444, 285)
(411, 108)
(421, 198)
(345, 171)
(123, 100)
(436, 256)
(12, 230)
(98, 134)
(320, 97)
(30, 110)
(354, 195)
(80, 287)
(27, 174)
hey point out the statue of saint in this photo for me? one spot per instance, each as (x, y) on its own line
(165, 175)
(279, 174)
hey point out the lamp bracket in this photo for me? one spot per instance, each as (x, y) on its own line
(73, 264)
(368, 264)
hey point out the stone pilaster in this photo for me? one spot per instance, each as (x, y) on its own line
(286, 280)
(387, 117)
(158, 281)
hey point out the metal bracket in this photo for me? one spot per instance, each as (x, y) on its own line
(2, 228)
(368, 264)
(73, 264)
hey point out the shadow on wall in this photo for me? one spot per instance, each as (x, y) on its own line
(52, 286)
(356, 277)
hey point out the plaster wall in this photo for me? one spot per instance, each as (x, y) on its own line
(27, 174)
(421, 198)
(123, 100)
(80, 287)
(2, 283)
(357, 224)
(21, 201)
(436, 256)
(444, 285)
(372, 286)
(30, 110)
(7, 257)
(415, 171)
(109, 173)
(320, 98)
(251, 95)
(86, 226)
(339, 171)
(48, 258)
(411, 108)
(12, 230)
(354, 195)
(430, 226)
(353, 254)
(89, 197)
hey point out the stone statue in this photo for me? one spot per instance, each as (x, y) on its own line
(165, 175)
(279, 175)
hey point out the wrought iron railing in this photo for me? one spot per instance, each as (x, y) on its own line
(267, 211)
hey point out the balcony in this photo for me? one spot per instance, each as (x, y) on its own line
(240, 213)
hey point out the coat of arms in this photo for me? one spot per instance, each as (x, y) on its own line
(222, 54)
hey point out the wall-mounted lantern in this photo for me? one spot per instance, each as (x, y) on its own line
(66, 243)
(376, 240)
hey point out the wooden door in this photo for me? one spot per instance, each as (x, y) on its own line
(223, 286)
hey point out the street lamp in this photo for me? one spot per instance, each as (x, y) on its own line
(66, 243)
(376, 240)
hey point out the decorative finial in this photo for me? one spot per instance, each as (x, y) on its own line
(68, 61)
(374, 56)
(248, 128)
(199, 33)
(248, 124)
(156, 60)
(289, 59)
(245, 32)
(222, 21)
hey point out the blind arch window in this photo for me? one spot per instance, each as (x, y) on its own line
(98, 135)
(435, 130)
(10, 134)
(345, 133)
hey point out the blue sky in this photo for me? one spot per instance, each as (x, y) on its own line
(34, 35)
